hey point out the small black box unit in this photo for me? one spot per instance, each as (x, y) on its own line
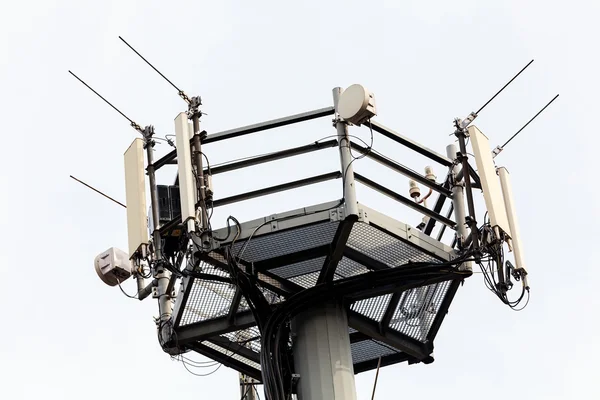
(169, 206)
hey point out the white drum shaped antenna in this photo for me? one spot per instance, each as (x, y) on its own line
(113, 266)
(357, 105)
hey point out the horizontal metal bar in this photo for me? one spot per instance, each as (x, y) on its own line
(395, 286)
(211, 277)
(411, 144)
(236, 348)
(245, 130)
(266, 158)
(272, 157)
(402, 169)
(404, 200)
(263, 126)
(277, 188)
(217, 326)
(363, 259)
(390, 337)
(293, 258)
(227, 360)
(281, 286)
(166, 159)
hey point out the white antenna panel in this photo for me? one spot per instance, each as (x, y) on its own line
(492, 193)
(187, 192)
(512, 216)
(135, 196)
(194, 182)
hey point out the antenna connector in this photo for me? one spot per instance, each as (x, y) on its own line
(147, 132)
(194, 107)
(461, 124)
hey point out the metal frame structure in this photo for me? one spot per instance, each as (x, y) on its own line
(324, 244)
(319, 251)
(304, 299)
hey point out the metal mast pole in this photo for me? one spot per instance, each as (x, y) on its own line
(162, 276)
(345, 157)
(322, 352)
(458, 201)
(194, 114)
(463, 159)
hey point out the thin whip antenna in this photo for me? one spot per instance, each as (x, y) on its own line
(132, 122)
(525, 126)
(97, 191)
(181, 92)
(504, 87)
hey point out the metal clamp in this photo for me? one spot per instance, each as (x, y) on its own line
(362, 216)
(337, 214)
(194, 107)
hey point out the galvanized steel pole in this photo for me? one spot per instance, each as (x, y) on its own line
(458, 200)
(345, 158)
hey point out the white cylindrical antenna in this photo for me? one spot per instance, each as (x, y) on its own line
(187, 191)
(512, 217)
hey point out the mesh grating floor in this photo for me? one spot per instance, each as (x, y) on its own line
(370, 349)
(347, 268)
(207, 300)
(417, 309)
(299, 268)
(286, 242)
(372, 308)
(250, 338)
(306, 281)
(383, 247)
(296, 255)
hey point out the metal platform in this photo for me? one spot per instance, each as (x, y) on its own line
(298, 249)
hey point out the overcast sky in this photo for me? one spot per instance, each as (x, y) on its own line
(65, 335)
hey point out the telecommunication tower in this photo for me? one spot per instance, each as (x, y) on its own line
(302, 300)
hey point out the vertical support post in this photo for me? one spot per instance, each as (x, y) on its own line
(149, 146)
(161, 275)
(458, 201)
(345, 157)
(322, 354)
(194, 113)
(141, 282)
(463, 158)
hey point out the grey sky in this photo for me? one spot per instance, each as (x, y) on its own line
(66, 335)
